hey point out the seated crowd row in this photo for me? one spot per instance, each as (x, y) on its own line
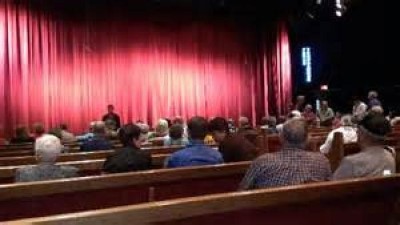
(293, 164)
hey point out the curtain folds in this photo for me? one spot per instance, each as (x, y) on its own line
(54, 70)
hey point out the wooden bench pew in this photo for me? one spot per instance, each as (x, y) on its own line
(44, 198)
(366, 201)
(86, 168)
(30, 152)
(79, 156)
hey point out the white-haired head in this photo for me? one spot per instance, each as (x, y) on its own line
(47, 148)
(295, 114)
(162, 127)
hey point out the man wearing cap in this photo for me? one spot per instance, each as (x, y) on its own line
(374, 159)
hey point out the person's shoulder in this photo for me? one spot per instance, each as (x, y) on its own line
(266, 157)
(181, 152)
(69, 169)
(317, 156)
(27, 169)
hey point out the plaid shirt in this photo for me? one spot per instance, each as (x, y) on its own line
(286, 167)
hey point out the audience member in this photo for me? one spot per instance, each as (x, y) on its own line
(231, 124)
(196, 153)
(337, 121)
(66, 136)
(359, 110)
(244, 124)
(374, 159)
(233, 147)
(308, 114)
(264, 123)
(89, 134)
(348, 131)
(373, 99)
(378, 110)
(300, 102)
(129, 158)
(56, 131)
(21, 136)
(295, 114)
(161, 130)
(112, 116)
(111, 133)
(47, 150)
(175, 136)
(144, 129)
(38, 130)
(179, 120)
(99, 140)
(326, 114)
(292, 165)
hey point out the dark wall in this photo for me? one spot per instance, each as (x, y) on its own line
(351, 55)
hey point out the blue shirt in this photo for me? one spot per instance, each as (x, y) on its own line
(96, 143)
(374, 102)
(195, 154)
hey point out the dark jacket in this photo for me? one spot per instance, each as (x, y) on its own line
(96, 143)
(126, 160)
(114, 117)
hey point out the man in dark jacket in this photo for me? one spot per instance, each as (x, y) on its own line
(111, 116)
(129, 158)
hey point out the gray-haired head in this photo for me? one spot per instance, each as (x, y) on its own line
(47, 148)
(378, 110)
(144, 127)
(372, 94)
(99, 127)
(294, 133)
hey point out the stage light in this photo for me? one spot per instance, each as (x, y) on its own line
(307, 63)
(339, 8)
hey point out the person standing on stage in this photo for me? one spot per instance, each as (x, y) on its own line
(112, 116)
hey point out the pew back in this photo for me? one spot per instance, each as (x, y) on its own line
(86, 167)
(367, 201)
(71, 195)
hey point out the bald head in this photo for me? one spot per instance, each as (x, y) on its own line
(295, 132)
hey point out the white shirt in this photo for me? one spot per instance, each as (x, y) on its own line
(359, 111)
(349, 136)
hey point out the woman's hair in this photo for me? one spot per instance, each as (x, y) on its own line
(129, 132)
(218, 124)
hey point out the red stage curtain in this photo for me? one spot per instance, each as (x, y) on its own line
(54, 70)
